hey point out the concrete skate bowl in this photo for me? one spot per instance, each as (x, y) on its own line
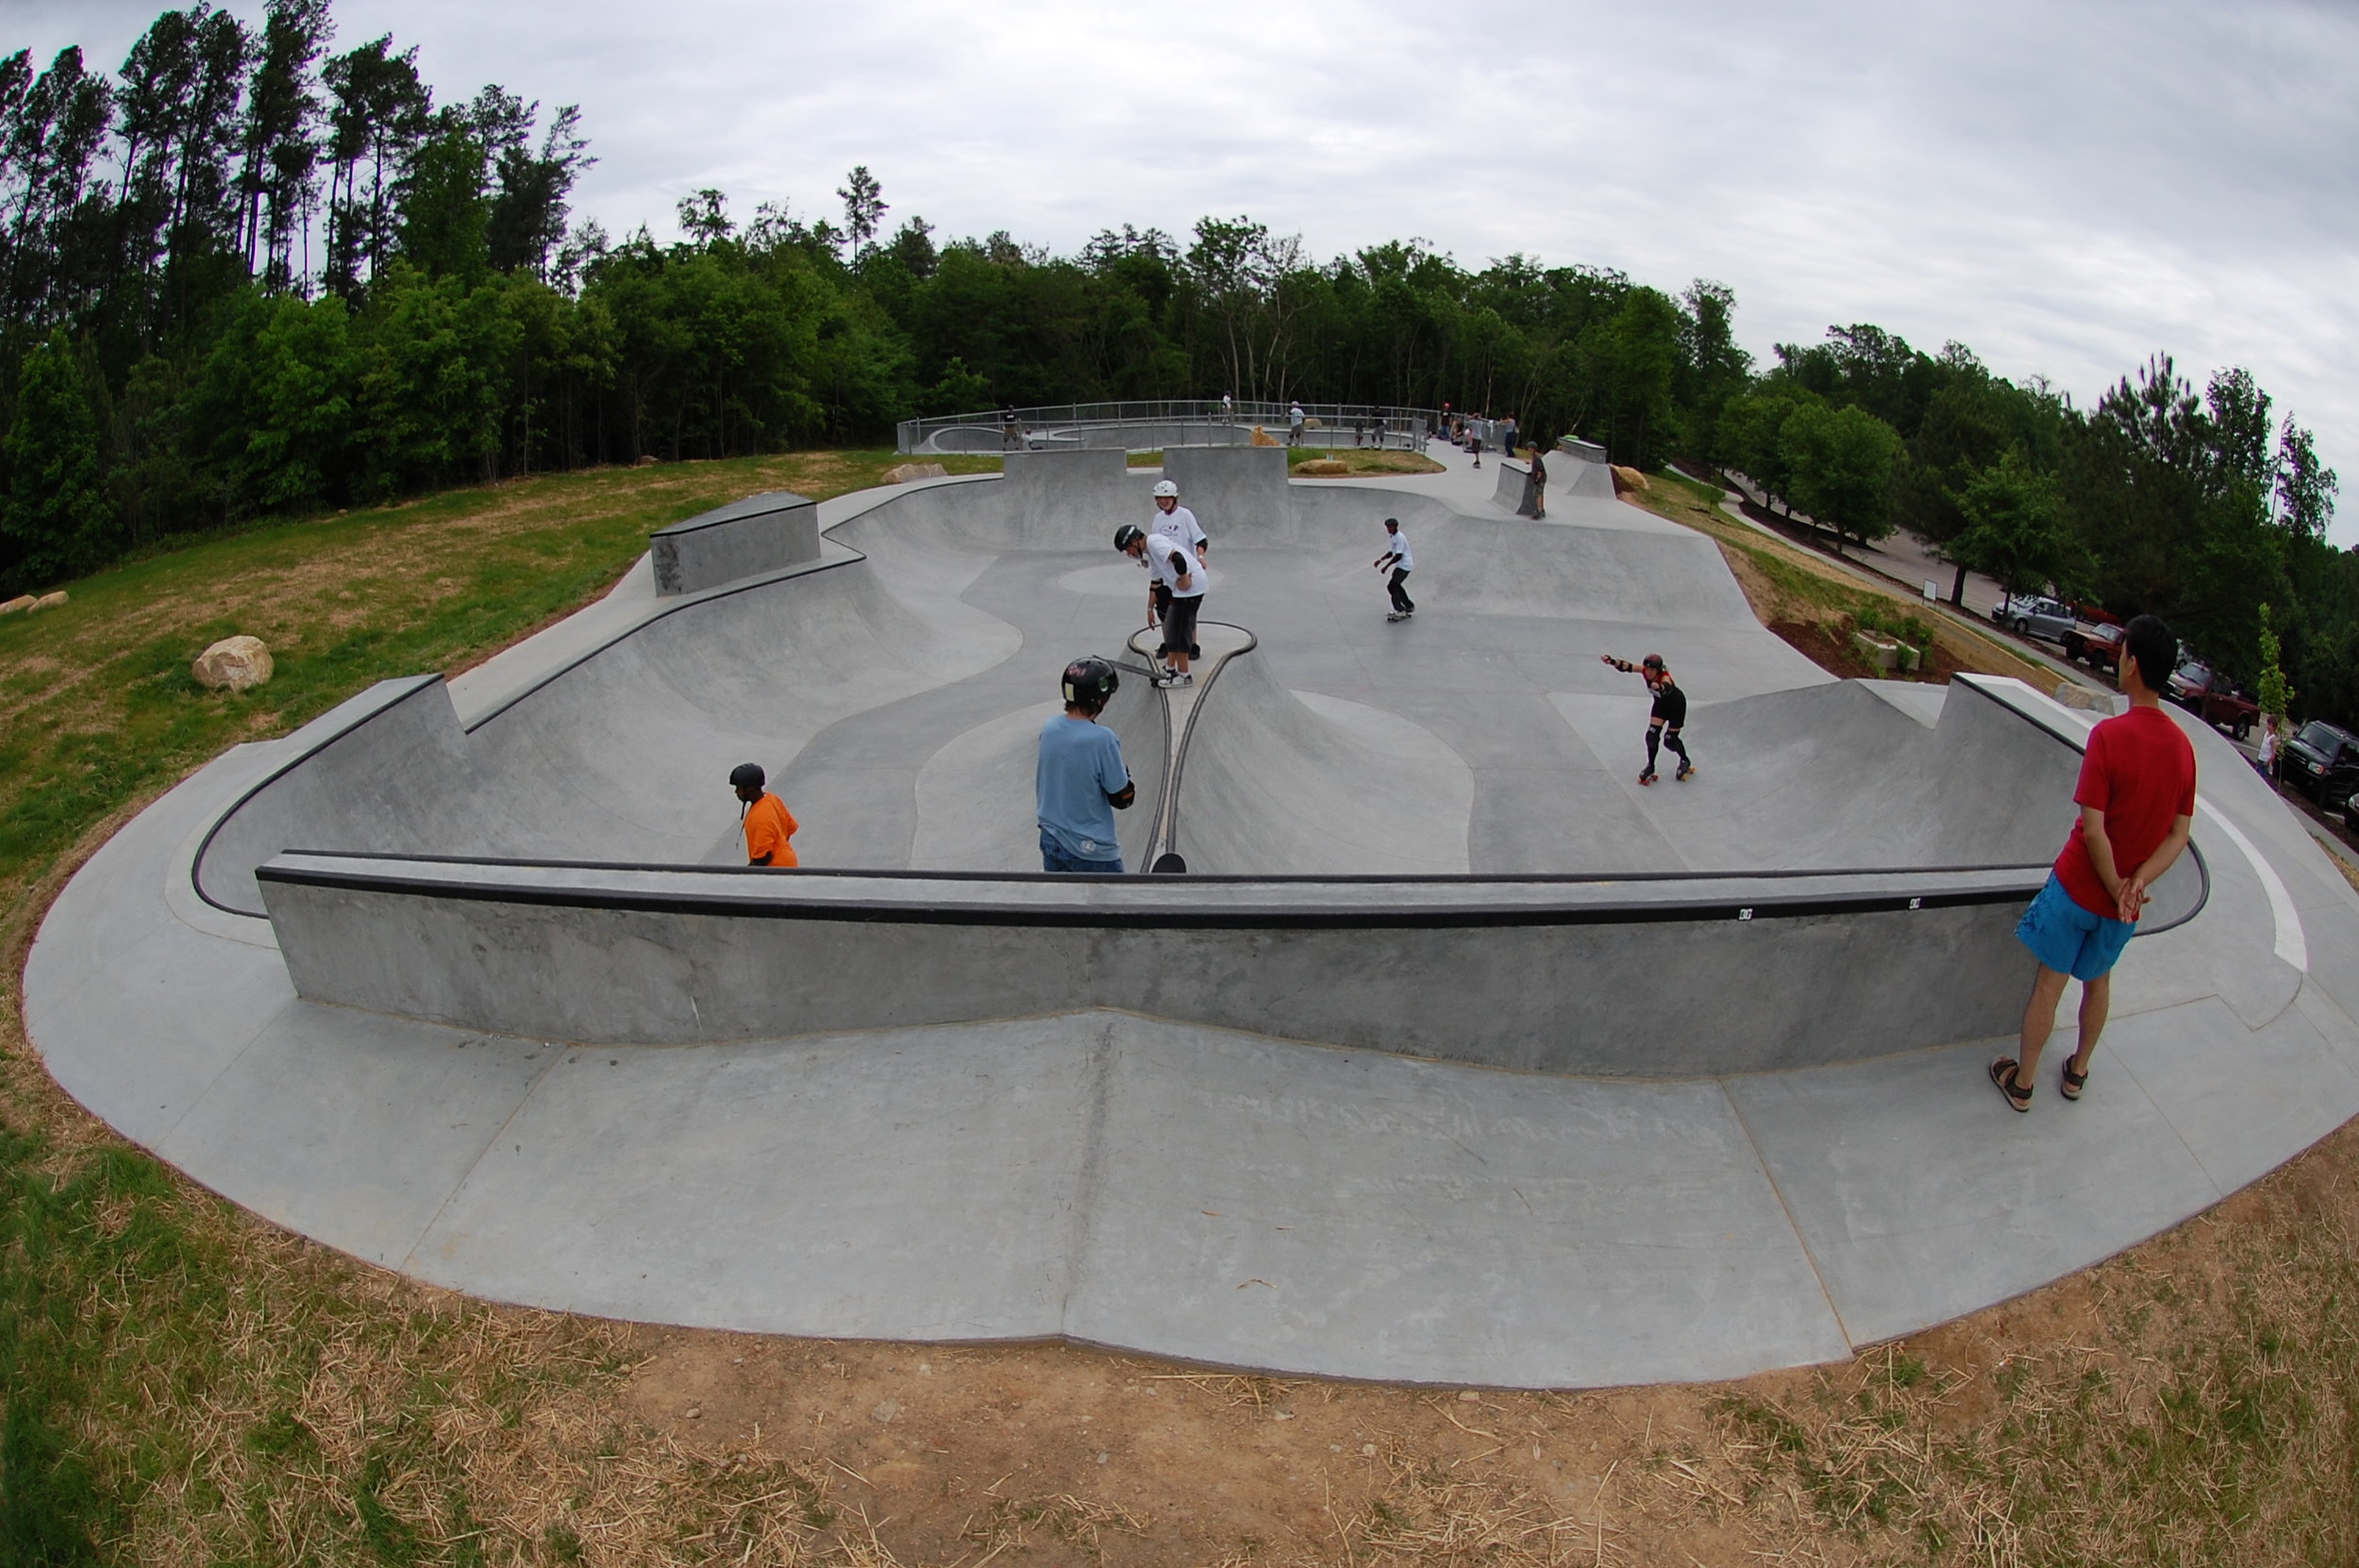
(926, 1094)
(1363, 875)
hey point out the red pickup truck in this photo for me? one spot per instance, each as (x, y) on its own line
(2094, 640)
(2204, 692)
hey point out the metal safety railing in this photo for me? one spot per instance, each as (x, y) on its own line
(1152, 425)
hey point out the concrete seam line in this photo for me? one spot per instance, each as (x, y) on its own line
(2292, 944)
(1737, 1109)
(1090, 1172)
(558, 1051)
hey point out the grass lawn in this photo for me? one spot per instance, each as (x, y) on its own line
(187, 1385)
(1360, 460)
(1816, 606)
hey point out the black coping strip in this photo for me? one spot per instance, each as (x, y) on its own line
(1434, 878)
(1168, 916)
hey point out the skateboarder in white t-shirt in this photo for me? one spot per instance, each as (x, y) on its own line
(1177, 594)
(1398, 559)
(1174, 521)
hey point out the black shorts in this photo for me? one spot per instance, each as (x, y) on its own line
(1179, 623)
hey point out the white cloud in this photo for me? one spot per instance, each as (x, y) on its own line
(2066, 187)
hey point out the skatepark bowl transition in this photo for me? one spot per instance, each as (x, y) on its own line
(1457, 1056)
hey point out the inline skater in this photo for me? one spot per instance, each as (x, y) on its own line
(1670, 713)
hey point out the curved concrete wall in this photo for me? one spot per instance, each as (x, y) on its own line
(1239, 493)
(1549, 974)
(620, 758)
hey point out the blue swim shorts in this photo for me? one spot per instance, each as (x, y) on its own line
(2069, 940)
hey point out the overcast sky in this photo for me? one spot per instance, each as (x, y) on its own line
(2065, 187)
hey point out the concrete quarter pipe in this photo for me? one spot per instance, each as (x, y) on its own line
(935, 1094)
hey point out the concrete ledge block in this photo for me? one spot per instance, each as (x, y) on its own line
(763, 533)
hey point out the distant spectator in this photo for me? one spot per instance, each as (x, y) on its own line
(1294, 426)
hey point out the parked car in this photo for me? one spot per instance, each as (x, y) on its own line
(2094, 642)
(2323, 761)
(2213, 697)
(2034, 616)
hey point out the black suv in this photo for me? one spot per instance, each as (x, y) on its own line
(2323, 761)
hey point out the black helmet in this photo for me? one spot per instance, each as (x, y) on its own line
(1128, 535)
(1091, 682)
(1652, 661)
(746, 774)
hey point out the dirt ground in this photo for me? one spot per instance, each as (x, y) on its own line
(1057, 1454)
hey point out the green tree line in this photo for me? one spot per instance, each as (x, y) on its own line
(250, 274)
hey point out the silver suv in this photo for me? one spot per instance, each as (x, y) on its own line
(2032, 616)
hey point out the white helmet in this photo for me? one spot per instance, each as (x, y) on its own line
(1163, 488)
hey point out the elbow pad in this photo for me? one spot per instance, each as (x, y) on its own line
(1121, 798)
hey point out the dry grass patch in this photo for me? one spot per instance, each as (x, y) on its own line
(1787, 585)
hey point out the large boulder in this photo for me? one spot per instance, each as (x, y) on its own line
(233, 664)
(1628, 479)
(23, 601)
(901, 473)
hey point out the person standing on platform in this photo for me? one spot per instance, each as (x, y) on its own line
(2136, 796)
(1078, 780)
(1539, 484)
(1294, 418)
(769, 826)
(1176, 520)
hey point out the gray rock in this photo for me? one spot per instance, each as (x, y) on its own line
(234, 664)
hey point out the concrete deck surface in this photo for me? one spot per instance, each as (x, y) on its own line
(1188, 1191)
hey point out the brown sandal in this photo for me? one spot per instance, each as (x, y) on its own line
(2072, 1082)
(2003, 1076)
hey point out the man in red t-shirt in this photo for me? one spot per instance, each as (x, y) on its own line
(2137, 803)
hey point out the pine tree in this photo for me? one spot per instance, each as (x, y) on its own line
(57, 516)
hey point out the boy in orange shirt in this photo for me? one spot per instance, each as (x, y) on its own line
(769, 825)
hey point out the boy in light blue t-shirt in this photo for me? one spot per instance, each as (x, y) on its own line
(1080, 781)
